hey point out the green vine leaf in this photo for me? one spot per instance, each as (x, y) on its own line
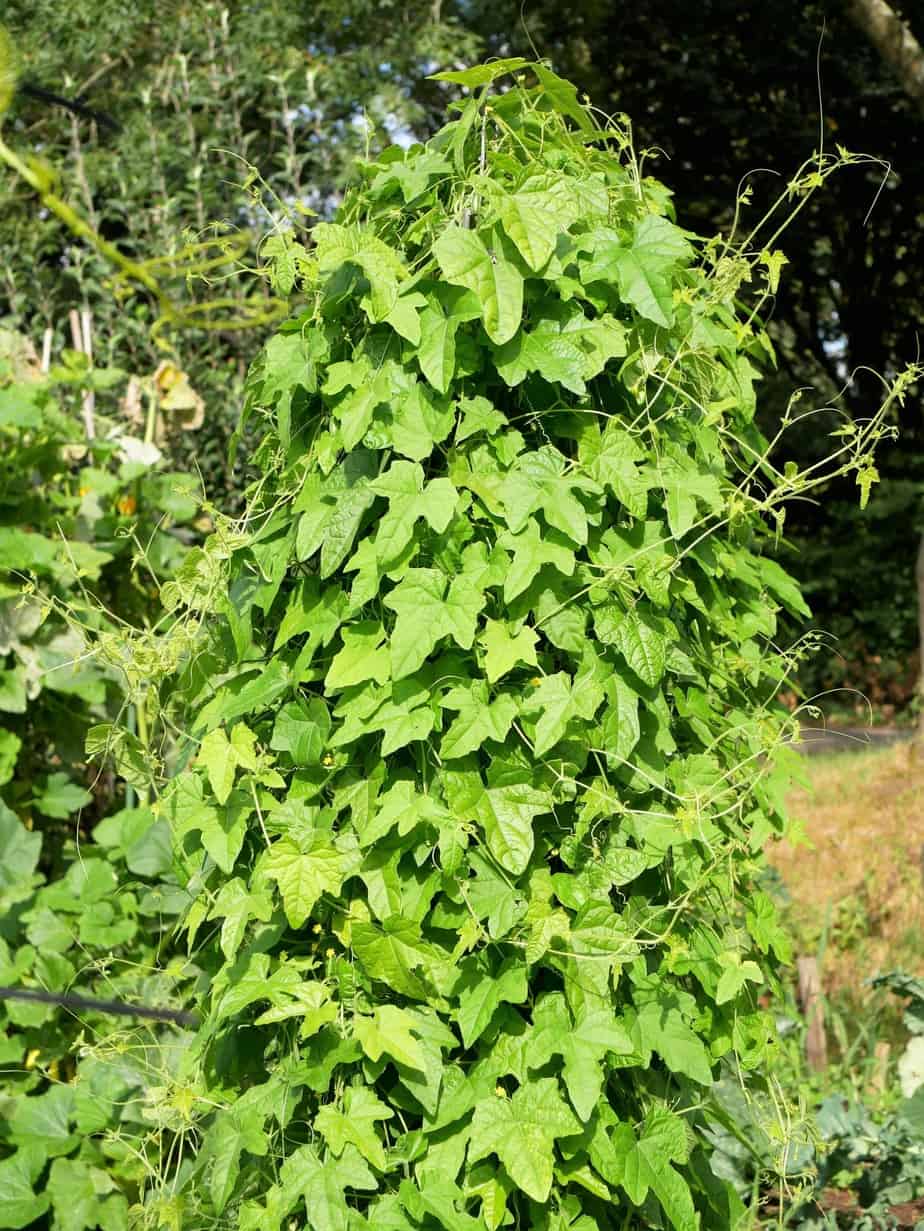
(303, 876)
(483, 268)
(522, 1131)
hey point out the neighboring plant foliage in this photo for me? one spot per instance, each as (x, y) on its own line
(88, 529)
(872, 633)
(87, 535)
(481, 698)
(862, 1154)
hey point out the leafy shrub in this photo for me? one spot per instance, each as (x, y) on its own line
(481, 708)
(88, 529)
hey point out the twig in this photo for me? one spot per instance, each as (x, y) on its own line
(118, 1007)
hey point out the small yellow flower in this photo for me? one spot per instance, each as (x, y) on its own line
(31, 1057)
(500, 1091)
(126, 505)
(329, 952)
(316, 928)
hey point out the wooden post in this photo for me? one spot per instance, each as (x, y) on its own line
(810, 998)
(880, 1077)
(82, 337)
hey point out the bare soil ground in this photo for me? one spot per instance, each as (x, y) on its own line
(856, 883)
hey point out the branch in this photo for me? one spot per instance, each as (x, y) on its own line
(892, 38)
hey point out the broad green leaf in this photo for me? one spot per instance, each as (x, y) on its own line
(483, 74)
(363, 656)
(532, 218)
(412, 174)
(323, 1185)
(251, 692)
(543, 481)
(555, 358)
(644, 269)
(303, 877)
(461, 608)
(404, 317)
(395, 953)
(781, 585)
(342, 526)
(521, 1131)
(223, 831)
(560, 699)
(685, 485)
(506, 815)
(410, 498)
(20, 1205)
(10, 745)
(444, 313)
(647, 1165)
(236, 906)
(313, 609)
(466, 260)
(504, 650)
(230, 1135)
(43, 1120)
(355, 1125)
(402, 724)
(420, 607)
(583, 1045)
(663, 1030)
(644, 282)
(310, 1003)
(337, 245)
(403, 807)
(420, 421)
(763, 923)
(564, 346)
(612, 458)
(388, 1030)
(478, 719)
(480, 993)
(621, 729)
(638, 641)
(60, 797)
(220, 765)
(302, 729)
(564, 97)
(735, 975)
(20, 849)
(478, 415)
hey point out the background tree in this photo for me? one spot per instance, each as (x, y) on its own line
(295, 90)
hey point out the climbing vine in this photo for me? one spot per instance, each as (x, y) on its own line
(482, 744)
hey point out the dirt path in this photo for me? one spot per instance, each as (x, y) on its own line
(851, 739)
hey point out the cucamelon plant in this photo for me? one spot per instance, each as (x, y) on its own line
(482, 703)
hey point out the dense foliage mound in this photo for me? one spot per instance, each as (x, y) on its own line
(483, 745)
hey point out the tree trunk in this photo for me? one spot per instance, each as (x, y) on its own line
(919, 574)
(893, 39)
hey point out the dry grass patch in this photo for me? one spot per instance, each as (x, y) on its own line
(855, 882)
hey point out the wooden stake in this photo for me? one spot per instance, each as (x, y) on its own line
(810, 998)
(89, 398)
